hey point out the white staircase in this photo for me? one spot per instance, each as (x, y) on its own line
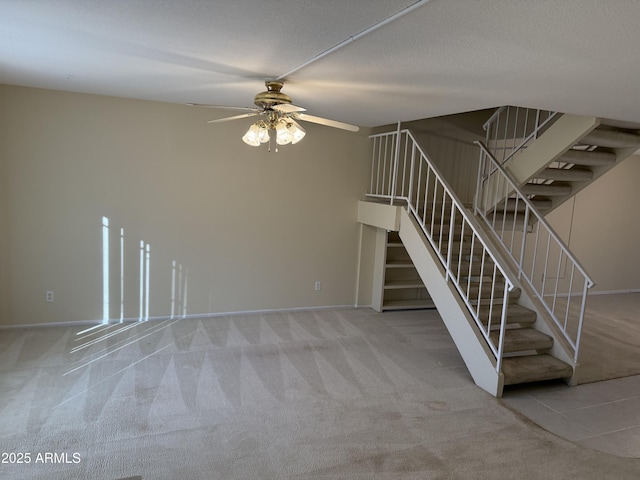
(588, 159)
(510, 292)
(560, 158)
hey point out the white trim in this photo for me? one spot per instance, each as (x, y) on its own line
(603, 292)
(358, 265)
(78, 323)
(114, 321)
(614, 292)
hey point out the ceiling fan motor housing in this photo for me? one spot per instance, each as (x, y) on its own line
(272, 96)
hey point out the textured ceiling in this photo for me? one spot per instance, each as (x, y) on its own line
(442, 57)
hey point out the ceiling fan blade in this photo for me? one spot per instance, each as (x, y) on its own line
(327, 122)
(237, 117)
(226, 107)
(288, 108)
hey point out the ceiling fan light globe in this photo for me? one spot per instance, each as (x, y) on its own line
(297, 131)
(283, 140)
(283, 135)
(263, 134)
(252, 137)
(250, 141)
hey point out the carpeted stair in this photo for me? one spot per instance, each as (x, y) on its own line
(526, 349)
(534, 368)
(590, 158)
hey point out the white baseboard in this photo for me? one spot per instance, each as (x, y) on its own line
(81, 323)
(614, 292)
(77, 323)
(602, 292)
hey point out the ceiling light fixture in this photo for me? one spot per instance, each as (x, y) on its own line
(286, 129)
(258, 133)
(278, 117)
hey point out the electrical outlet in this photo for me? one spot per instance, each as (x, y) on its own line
(317, 285)
(49, 296)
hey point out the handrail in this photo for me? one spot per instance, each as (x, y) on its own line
(452, 231)
(539, 217)
(493, 117)
(510, 129)
(513, 218)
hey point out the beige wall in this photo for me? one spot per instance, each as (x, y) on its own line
(252, 230)
(448, 141)
(602, 228)
(456, 160)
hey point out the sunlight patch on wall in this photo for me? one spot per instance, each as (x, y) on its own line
(115, 334)
(145, 266)
(178, 290)
(105, 270)
(114, 282)
(121, 275)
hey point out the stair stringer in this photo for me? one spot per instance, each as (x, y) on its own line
(473, 348)
(549, 146)
(539, 153)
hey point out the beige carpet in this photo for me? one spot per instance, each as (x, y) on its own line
(331, 394)
(610, 338)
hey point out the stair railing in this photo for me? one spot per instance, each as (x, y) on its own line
(542, 259)
(402, 171)
(510, 129)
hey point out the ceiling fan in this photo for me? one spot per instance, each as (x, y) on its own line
(277, 114)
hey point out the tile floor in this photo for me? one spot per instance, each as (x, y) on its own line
(604, 416)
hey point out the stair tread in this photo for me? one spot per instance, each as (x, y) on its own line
(546, 189)
(399, 263)
(591, 159)
(540, 204)
(534, 368)
(408, 304)
(611, 138)
(612, 122)
(476, 267)
(485, 295)
(411, 283)
(566, 174)
(516, 314)
(521, 339)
